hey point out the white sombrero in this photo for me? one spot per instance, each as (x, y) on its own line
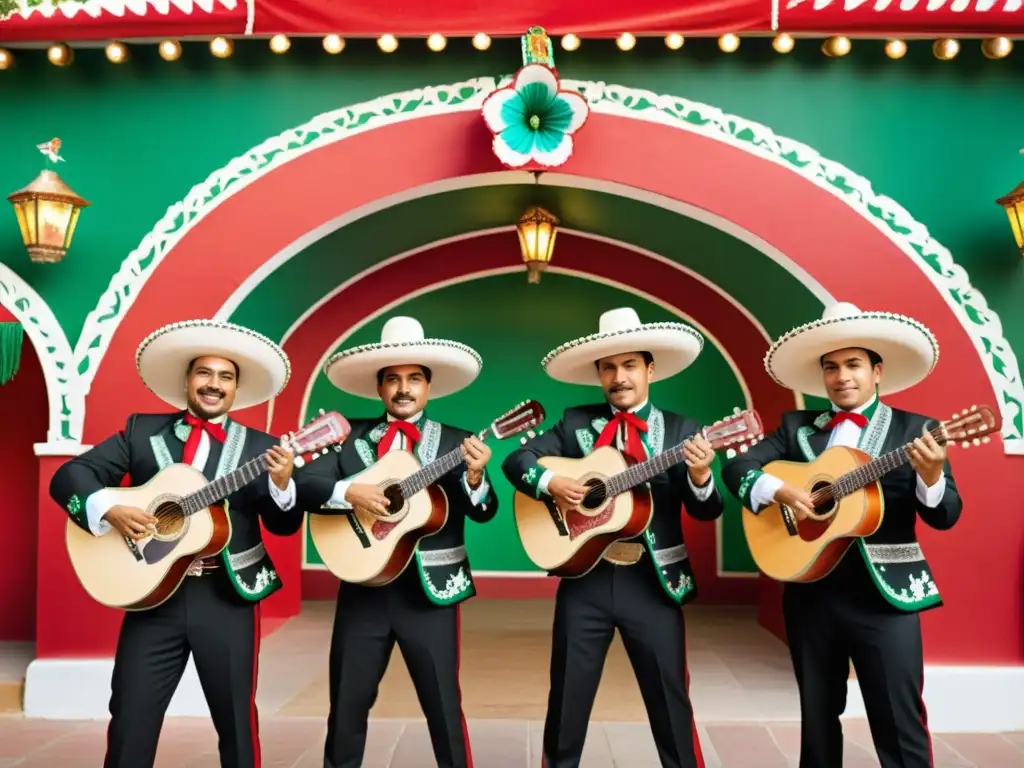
(674, 346)
(163, 357)
(453, 366)
(909, 351)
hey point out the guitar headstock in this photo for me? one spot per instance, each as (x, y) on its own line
(327, 429)
(969, 427)
(524, 416)
(736, 433)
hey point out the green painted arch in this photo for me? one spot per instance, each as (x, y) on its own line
(711, 388)
(277, 303)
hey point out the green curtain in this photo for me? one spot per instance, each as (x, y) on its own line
(11, 336)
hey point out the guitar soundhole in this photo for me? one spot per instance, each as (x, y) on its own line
(170, 520)
(811, 530)
(596, 496)
(396, 499)
(826, 506)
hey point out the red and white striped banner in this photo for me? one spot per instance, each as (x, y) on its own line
(71, 20)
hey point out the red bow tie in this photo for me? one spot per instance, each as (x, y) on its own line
(406, 428)
(634, 426)
(216, 431)
(857, 418)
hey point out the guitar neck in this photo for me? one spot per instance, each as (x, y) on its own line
(222, 487)
(435, 470)
(878, 468)
(645, 470)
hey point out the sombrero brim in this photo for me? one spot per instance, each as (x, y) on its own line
(162, 360)
(453, 366)
(674, 346)
(909, 351)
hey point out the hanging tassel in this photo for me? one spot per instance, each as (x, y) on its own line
(11, 337)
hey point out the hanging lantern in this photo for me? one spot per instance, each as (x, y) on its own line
(1014, 205)
(47, 210)
(537, 230)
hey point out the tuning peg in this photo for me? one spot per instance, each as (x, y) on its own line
(730, 453)
(323, 412)
(974, 407)
(530, 433)
(522, 441)
(717, 423)
(985, 439)
(965, 444)
(736, 409)
(298, 461)
(743, 448)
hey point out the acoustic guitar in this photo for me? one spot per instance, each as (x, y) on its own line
(362, 547)
(192, 523)
(848, 503)
(618, 505)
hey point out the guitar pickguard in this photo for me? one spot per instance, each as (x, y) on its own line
(579, 523)
(381, 529)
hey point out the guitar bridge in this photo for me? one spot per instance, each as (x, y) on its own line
(134, 549)
(556, 517)
(789, 519)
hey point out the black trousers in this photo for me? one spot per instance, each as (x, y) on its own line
(205, 618)
(587, 612)
(368, 621)
(829, 627)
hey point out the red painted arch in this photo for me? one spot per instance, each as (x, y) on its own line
(844, 252)
(319, 331)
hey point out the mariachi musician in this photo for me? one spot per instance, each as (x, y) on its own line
(865, 610)
(420, 609)
(202, 369)
(639, 586)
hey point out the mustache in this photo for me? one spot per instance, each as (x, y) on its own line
(210, 391)
(620, 388)
(403, 397)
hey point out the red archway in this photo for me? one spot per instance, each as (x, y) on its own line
(845, 252)
(480, 256)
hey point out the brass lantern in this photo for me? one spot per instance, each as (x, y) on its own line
(537, 230)
(47, 211)
(1014, 205)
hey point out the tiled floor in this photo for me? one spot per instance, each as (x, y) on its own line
(741, 685)
(297, 742)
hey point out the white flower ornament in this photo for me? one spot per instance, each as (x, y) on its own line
(533, 120)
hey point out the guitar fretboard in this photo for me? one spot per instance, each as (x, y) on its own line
(430, 474)
(222, 487)
(871, 472)
(645, 470)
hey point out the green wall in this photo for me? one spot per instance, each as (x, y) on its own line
(939, 137)
(521, 328)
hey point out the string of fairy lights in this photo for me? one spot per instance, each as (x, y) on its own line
(944, 49)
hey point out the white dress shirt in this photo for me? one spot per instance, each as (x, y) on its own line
(848, 434)
(400, 443)
(100, 502)
(701, 492)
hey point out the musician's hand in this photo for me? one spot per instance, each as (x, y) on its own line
(367, 497)
(927, 458)
(477, 455)
(698, 455)
(796, 499)
(280, 462)
(132, 522)
(566, 491)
